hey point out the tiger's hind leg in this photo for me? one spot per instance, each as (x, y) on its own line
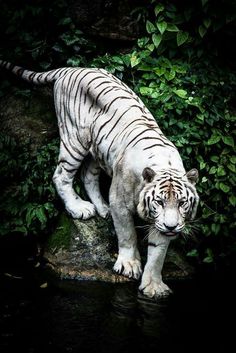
(90, 177)
(69, 162)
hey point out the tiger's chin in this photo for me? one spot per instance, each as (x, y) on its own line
(172, 235)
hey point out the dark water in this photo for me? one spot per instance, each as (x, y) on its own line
(95, 317)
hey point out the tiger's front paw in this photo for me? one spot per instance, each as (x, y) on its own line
(103, 211)
(128, 267)
(81, 209)
(154, 289)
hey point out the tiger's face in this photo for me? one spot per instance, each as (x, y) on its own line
(168, 200)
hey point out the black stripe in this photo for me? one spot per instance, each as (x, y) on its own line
(106, 122)
(78, 84)
(155, 145)
(102, 91)
(102, 83)
(55, 73)
(94, 79)
(142, 132)
(152, 244)
(70, 170)
(146, 138)
(31, 76)
(108, 107)
(62, 160)
(70, 153)
(117, 121)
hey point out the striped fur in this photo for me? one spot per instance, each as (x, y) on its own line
(103, 124)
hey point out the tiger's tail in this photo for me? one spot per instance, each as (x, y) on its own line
(38, 78)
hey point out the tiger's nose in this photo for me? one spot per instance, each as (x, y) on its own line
(170, 227)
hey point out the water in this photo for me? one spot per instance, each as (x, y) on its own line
(97, 317)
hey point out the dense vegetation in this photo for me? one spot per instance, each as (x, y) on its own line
(182, 65)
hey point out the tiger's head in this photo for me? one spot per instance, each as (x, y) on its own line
(168, 199)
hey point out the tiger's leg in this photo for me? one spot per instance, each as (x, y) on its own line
(90, 177)
(151, 283)
(128, 262)
(69, 162)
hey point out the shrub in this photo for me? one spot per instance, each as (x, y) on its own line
(28, 200)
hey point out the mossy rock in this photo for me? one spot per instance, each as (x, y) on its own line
(87, 250)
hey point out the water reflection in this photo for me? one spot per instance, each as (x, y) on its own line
(103, 318)
(134, 321)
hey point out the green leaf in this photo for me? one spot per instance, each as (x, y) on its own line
(156, 38)
(213, 139)
(202, 31)
(228, 140)
(202, 165)
(193, 253)
(170, 75)
(150, 47)
(233, 159)
(221, 171)
(159, 8)
(232, 200)
(150, 27)
(231, 167)
(207, 22)
(40, 214)
(159, 71)
(117, 59)
(161, 26)
(181, 93)
(214, 159)
(212, 170)
(209, 257)
(134, 60)
(172, 28)
(142, 42)
(146, 91)
(225, 188)
(182, 37)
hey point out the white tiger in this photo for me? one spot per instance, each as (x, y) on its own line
(99, 116)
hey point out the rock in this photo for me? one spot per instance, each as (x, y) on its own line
(83, 250)
(87, 250)
(31, 117)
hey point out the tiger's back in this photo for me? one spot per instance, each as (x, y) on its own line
(101, 108)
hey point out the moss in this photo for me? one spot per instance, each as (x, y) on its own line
(61, 238)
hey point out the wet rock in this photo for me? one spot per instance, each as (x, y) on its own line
(87, 250)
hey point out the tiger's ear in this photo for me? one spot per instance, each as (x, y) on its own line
(192, 176)
(148, 174)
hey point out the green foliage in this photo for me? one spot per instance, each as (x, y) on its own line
(43, 35)
(180, 28)
(28, 200)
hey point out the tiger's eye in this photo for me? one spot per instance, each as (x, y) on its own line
(181, 203)
(161, 203)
